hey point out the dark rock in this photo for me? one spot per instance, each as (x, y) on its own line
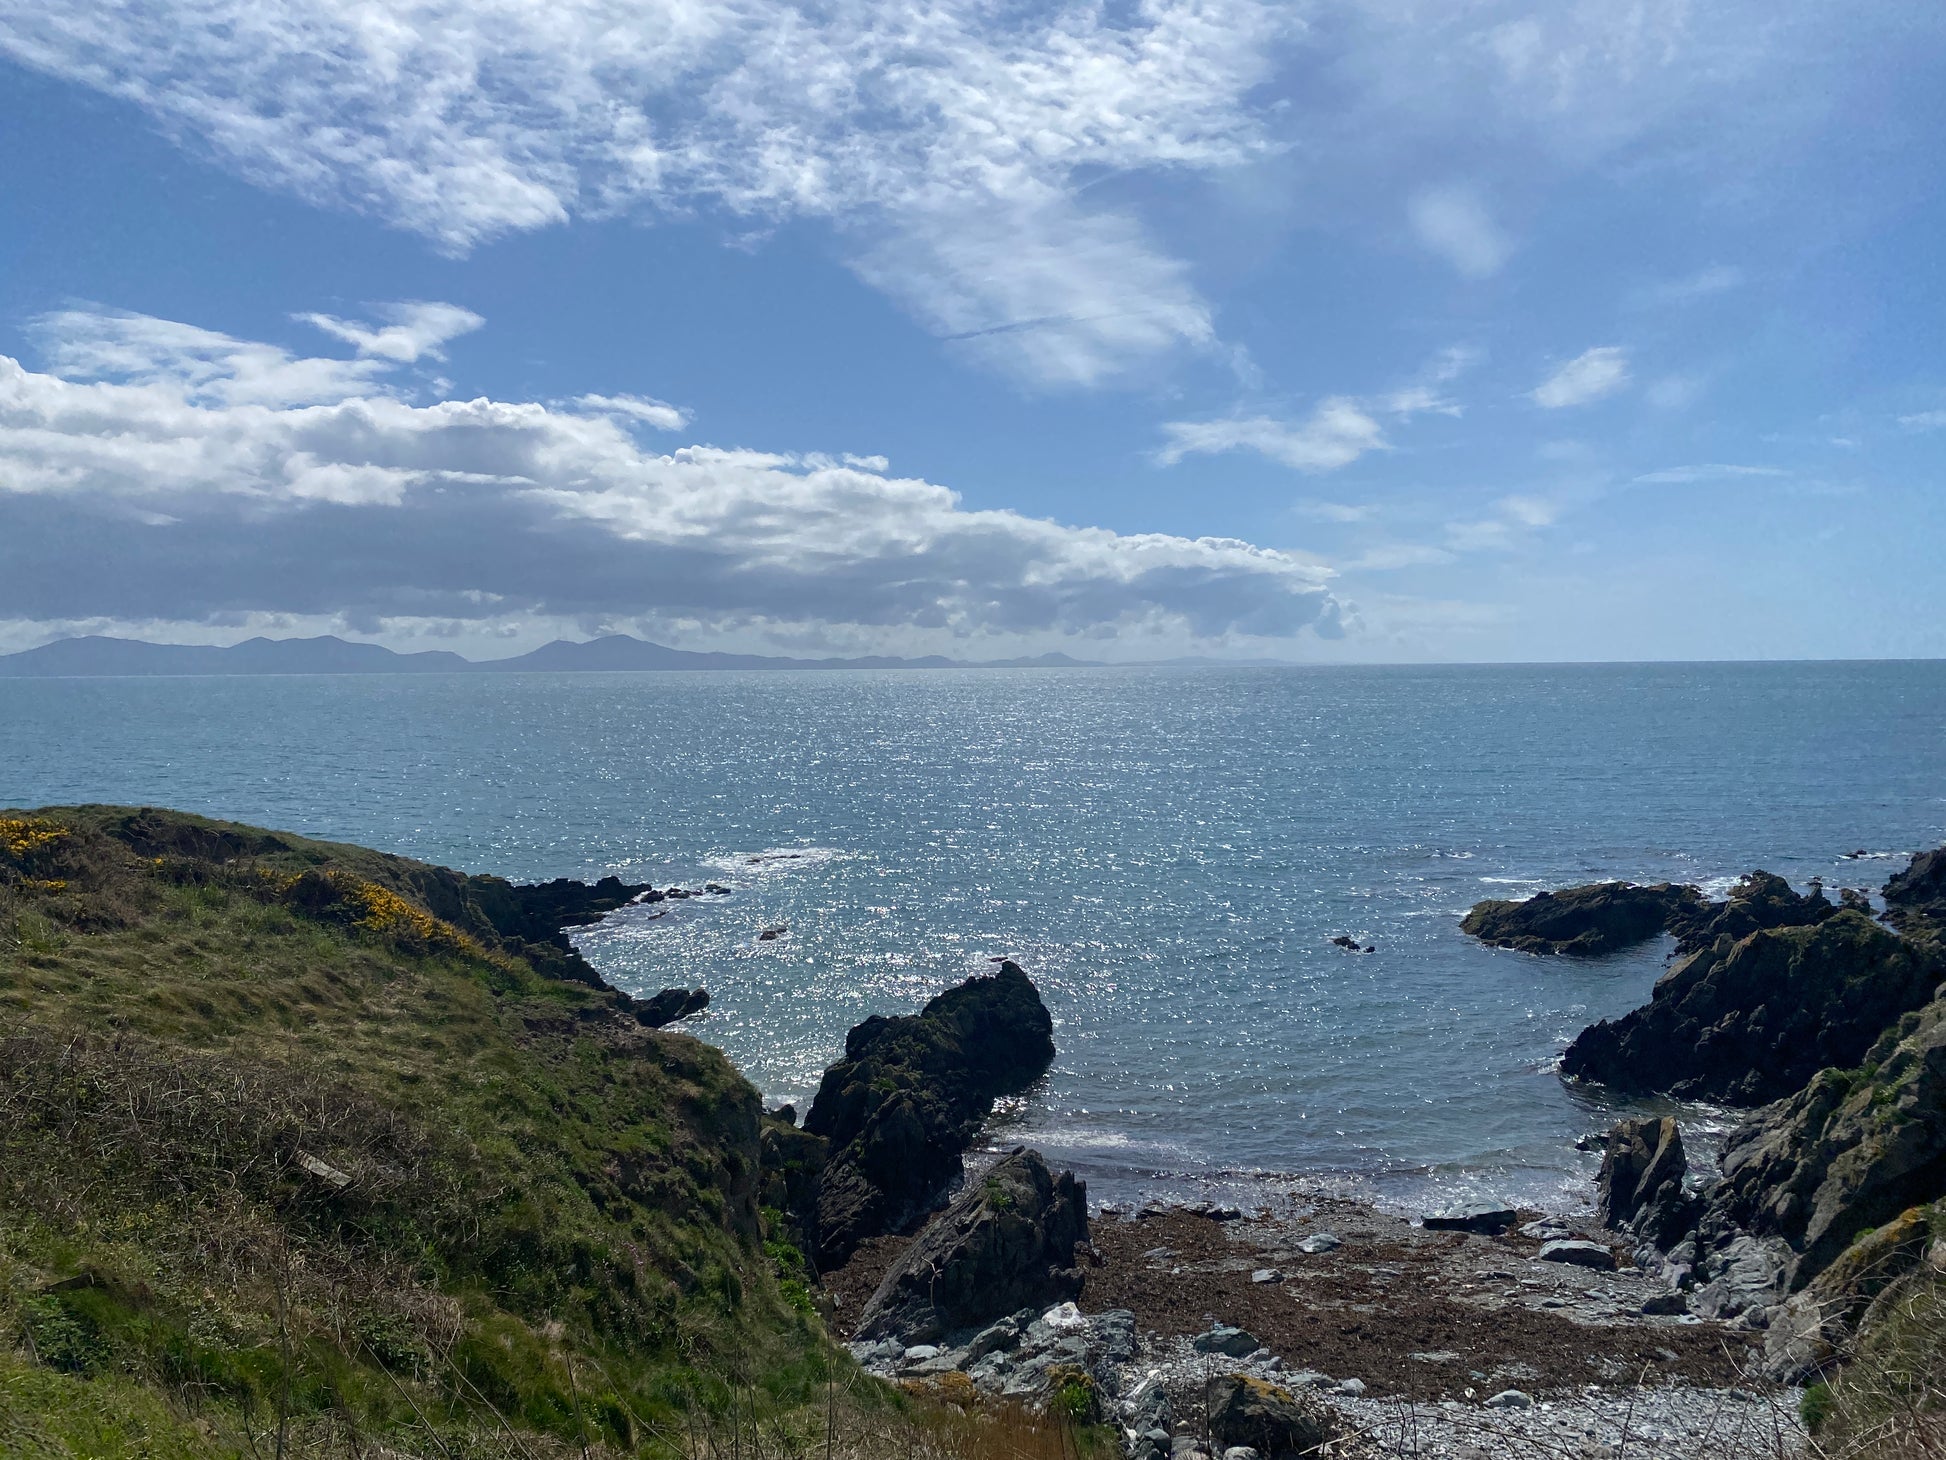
(769, 935)
(1485, 1217)
(1640, 1188)
(1579, 1253)
(1750, 1021)
(1848, 1153)
(1006, 1242)
(1665, 1305)
(1915, 899)
(1276, 1423)
(792, 1166)
(670, 1005)
(1761, 900)
(1229, 1341)
(1584, 921)
(909, 1096)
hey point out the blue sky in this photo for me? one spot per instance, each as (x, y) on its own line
(1370, 330)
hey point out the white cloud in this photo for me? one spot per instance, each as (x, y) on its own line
(1587, 377)
(1336, 434)
(1713, 471)
(417, 330)
(1453, 222)
(190, 474)
(646, 409)
(1922, 421)
(949, 142)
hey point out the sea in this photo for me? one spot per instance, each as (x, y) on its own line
(1167, 851)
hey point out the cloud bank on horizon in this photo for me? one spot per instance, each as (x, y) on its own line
(220, 479)
(1462, 314)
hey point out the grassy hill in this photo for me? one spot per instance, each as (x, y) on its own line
(305, 1149)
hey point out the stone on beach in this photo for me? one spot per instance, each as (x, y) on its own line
(1579, 1253)
(1253, 1413)
(1487, 1218)
(1224, 1339)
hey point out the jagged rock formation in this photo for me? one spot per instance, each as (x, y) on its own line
(899, 1110)
(1583, 921)
(1751, 1020)
(1813, 1327)
(1915, 899)
(1640, 1189)
(1007, 1242)
(1846, 1154)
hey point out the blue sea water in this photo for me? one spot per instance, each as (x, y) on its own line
(1167, 851)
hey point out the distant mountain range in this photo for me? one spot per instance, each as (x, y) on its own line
(96, 655)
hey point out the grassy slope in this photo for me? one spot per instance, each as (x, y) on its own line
(550, 1236)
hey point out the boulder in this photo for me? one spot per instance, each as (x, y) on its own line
(1485, 1217)
(1007, 1242)
(1750, 1021)
(911, 1093)
(1579, 1253)
(1277, 1424)
(670, 1005)
(1640, 1188)
(1583, 921)
(1224, 1339)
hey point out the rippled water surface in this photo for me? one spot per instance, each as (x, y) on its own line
(1166, 851)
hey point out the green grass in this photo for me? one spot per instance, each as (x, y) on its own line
(550, 1237)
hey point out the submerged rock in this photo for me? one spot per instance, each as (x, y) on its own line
(911, 1093)
(1750, 1021)
(1583, 921)
(1007, 1242)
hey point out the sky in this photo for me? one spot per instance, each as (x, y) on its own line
(1347, 331)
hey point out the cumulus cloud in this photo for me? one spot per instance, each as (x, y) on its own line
(169, 472)
(417, 329)
(1588, 377)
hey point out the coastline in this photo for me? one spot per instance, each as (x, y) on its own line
(1406, 1334)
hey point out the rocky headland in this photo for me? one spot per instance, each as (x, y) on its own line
(523, 1206)
(1829, 1022)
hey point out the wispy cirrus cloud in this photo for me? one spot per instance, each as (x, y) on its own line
(168, 472)
(1709, 471)
(1588, 377)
